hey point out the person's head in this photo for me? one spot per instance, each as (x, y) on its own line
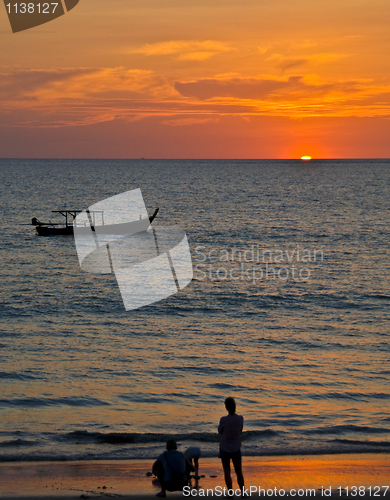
(230, 405)
(171, 445)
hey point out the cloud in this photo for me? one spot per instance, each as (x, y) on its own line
(243, 88)
(195, 56)
(87, 96)
(62, 84)
(293, 96)
(290, 62)
(104, 81)
(268, 88)
(23, 83)
(180, 122)
(323, 58)
(285, 63)
(263, 48)
(184, 50)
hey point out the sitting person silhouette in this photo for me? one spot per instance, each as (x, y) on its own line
(172, 469)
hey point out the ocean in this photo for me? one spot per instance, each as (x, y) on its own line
(288, 312)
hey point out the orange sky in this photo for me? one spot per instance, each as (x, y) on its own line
(200, 79)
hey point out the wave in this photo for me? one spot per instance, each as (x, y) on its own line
(17, 376)
(83, 437)
(89, 445)
(42, 402)
(17, 442)
(380, 296)
(363, 442)
(134, 452)
(354, 396)
(341, 429)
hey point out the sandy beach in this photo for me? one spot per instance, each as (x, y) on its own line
(301, 476)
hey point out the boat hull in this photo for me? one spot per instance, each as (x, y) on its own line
(54, 231)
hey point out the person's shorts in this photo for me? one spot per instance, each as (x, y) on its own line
(230, 454)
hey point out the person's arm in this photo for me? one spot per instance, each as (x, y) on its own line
(220, 427)
(155, 466)
(189, 466)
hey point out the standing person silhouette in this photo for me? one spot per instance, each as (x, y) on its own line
(230, 429)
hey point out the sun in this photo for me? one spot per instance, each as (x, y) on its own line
(306, 158)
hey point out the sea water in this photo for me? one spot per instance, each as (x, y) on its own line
(288, 312)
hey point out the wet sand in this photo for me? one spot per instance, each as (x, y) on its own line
(301, 476)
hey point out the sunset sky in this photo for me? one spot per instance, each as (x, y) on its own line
(199, 79)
